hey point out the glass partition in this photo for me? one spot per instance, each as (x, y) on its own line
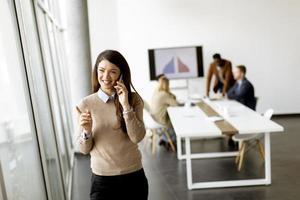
(20, 158)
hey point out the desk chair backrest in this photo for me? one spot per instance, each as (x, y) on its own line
(269, 113)
(149, 122)
(146, 106)
(246, 137)
(153, 126)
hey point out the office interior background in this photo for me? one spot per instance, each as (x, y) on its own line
(48, 48)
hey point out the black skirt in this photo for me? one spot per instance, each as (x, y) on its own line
(128, 186)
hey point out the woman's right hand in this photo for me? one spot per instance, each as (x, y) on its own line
(85, 120)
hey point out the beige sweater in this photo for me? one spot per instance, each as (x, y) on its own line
(160, 101)
(112, 151)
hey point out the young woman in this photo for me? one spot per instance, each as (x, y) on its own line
(162, 98)
(111, 125)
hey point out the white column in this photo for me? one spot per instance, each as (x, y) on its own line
(77, 45)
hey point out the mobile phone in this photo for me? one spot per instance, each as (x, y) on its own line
(78, 110)
(121, 77)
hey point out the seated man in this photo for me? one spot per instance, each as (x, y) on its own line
(242, 91)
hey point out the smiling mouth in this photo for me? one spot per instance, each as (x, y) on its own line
(107, 82)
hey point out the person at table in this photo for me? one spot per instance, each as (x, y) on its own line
(159, 80)
(221, 69)
(242, 91)
(162, 98)
(159, 77)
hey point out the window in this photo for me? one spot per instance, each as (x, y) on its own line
(20, 158)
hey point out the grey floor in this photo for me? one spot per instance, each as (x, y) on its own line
(167, 175)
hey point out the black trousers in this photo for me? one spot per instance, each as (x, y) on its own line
(218, 87)
(128, 186)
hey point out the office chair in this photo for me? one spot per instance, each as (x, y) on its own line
(152, 128)
(248, 140)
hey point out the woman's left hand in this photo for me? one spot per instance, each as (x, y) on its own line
(122, 92)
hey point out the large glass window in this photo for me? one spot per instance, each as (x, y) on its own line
(56, 93)
(20, 159)
(35, 121)
(47, 124)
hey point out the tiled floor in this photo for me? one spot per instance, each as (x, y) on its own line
(167, 175)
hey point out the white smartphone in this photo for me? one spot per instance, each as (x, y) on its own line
(121, 77)
(120, 80)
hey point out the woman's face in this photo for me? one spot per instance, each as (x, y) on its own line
(108, 75)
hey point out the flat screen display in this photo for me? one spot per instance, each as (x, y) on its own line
(176, 62)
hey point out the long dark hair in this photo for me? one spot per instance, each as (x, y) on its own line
(117, 59)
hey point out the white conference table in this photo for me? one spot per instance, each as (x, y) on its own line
(192, 123)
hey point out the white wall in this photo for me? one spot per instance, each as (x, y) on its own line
(103, 26)
(263, 35)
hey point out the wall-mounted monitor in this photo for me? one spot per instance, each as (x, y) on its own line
(176, 62)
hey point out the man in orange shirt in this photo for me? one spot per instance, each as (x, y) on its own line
(222, 70)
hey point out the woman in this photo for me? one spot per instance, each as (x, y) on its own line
(162, 98)
(111, 126)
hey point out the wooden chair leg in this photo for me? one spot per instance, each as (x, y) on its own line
(170, 140)
(261, 149)
(153, 141)
(241, 159)
(145, 141)
(147, 138)
(237, 158)
(239, 154)
(240, 145)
